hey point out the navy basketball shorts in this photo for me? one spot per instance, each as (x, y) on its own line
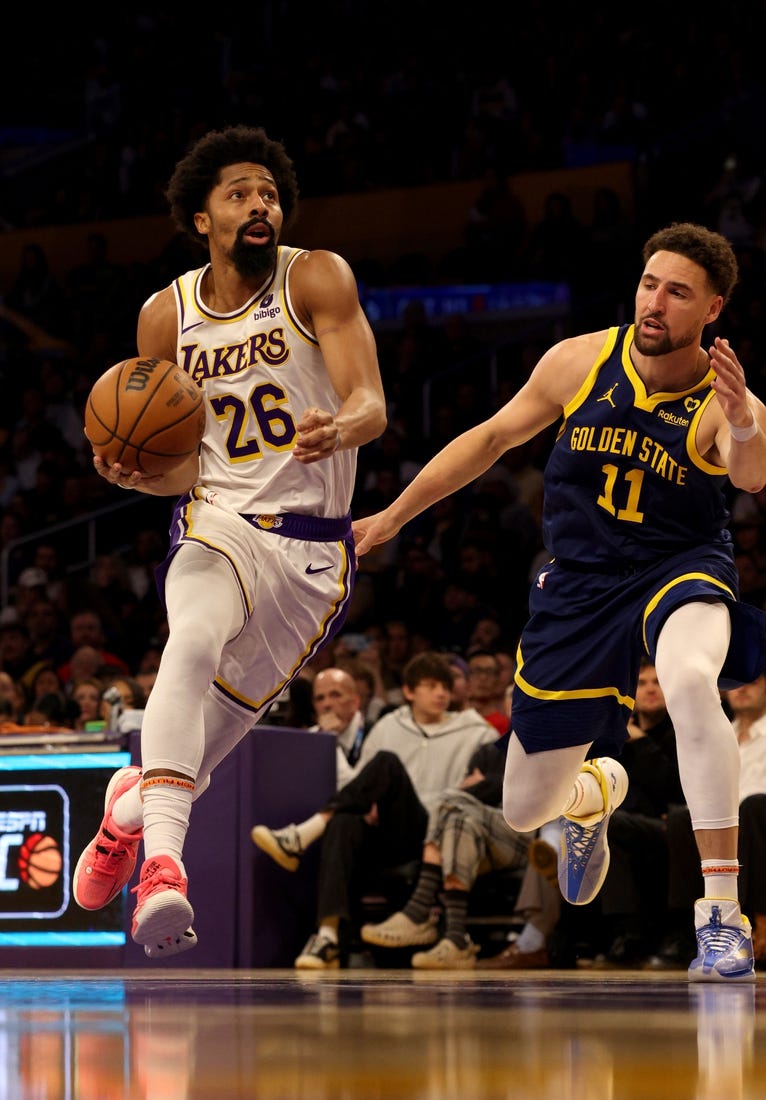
(579, 654)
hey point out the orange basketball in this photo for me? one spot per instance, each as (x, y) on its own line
(40, 861)
(146, 414)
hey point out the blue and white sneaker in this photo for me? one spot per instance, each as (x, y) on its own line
(584, 858)
(724, 943)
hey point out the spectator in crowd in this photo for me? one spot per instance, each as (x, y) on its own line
(46, 556)
(122, 702)
(45, 682)
(85, 694)
(86, 662)
(379, 818)
(13, 697)
(337, 704)
(31, 585)
(86, 629)
(466, 836)
(459, 669)
(485, 692)
(49, 638)
(372, 698)
(16, 656)
(49, 711)
(539, 903)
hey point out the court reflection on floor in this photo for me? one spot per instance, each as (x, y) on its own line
(398, 1034)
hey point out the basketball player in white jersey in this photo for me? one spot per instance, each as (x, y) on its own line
(261, 561)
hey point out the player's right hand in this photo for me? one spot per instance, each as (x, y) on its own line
(116, 475)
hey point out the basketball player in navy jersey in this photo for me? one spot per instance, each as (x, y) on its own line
(635, 521)
(261, 562)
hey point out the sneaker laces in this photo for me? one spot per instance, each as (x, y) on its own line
(718, 938)
(289, 840)
(160, 876)
(106, 854)
(580, 840)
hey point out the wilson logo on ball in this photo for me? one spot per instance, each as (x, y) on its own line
(140, 374)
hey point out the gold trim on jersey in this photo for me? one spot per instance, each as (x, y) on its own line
(227, 318)
(289, 311)
(691, 442)
(579, 693)
(649, 402)
(309, 651)
(590, 379)
(189, 535)
(655, 601)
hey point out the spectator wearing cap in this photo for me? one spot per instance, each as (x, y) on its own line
(46, 557)
(32, 583)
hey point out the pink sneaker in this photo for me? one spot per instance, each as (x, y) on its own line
(108, 862)
(162, 919)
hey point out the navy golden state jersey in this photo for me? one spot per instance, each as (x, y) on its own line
(625, 480)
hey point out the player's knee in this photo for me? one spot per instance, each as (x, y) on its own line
(521, 815)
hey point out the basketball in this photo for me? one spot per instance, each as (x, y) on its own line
(146, 414)
(40, 861)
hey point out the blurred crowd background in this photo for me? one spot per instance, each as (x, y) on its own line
(365, 99)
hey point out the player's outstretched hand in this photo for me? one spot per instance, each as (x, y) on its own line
(370, 530)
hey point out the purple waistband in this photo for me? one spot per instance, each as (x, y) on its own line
(294, 526)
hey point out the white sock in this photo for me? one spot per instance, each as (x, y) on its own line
(166, 820)
(311, 829)
(720, 876)
(586, 797)
(329, 931)
(550, 832)
(128, 810)
(530, 939)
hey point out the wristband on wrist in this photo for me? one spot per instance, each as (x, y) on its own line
(741, 434)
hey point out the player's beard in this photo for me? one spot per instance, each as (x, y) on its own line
(663, 345)
(254, 261)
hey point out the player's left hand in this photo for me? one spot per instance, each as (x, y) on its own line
(318, 436)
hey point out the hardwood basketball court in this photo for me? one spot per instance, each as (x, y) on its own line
(377, 1034)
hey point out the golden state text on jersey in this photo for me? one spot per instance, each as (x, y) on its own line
(258, 369)
(625, 479)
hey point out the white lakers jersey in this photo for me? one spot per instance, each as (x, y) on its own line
(259, 369)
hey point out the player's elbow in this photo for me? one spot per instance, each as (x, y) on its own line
(376, 421)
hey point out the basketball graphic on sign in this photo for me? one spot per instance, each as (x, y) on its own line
(40, 861)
